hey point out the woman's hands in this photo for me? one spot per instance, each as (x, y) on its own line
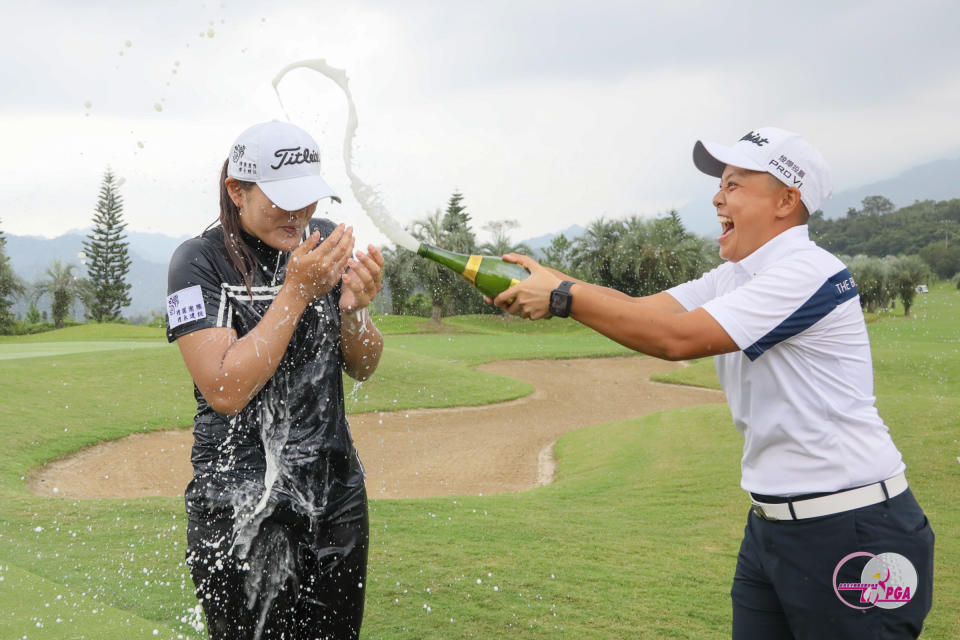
(360, 341)
(363, 281)
(315, 267)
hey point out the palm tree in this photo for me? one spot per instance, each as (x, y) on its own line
(641, 256)
(873, 282)
(595, 250)
(501, 243)
(559, 255)
(908, 273)
(437, 279)
(63, 288)
(399, 277)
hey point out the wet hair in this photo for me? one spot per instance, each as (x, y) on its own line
(241, 255)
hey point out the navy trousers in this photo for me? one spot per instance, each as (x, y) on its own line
(784, 587)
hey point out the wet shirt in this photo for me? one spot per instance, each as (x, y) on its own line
(800, 389)
(293, 436)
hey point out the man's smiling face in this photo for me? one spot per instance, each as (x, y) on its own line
(746, 209)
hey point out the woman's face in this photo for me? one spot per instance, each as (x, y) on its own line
(278, 228)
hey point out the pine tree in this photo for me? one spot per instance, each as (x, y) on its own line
(456, 225)
(459, 237)
(106, 252)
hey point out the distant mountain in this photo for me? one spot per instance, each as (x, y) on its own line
(154, 247)
(541, 242)
(150, 254)
(932, 181)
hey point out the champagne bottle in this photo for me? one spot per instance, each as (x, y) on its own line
(489, 274)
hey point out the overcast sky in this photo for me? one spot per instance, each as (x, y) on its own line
(548, 112)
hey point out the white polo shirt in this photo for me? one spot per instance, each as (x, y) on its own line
(801, 387)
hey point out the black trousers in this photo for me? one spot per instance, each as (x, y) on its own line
(302, 579)
(784, 586)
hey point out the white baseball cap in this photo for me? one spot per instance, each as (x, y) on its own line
(283, 160)
(783, 154)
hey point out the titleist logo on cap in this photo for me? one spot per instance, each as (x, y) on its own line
(295, 155)
(284, 160)
(755, 139)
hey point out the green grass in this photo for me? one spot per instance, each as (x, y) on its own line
(12, 351)
(699, 373)
(91, 331)
(637, 538)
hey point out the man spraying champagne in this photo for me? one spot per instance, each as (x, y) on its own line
(782, 319)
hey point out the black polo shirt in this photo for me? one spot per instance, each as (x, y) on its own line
(297, 420)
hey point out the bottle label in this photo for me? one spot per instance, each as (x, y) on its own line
(470, 271)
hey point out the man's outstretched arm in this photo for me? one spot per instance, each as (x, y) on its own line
(656, 325)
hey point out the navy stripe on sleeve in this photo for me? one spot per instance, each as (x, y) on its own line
(838, 288)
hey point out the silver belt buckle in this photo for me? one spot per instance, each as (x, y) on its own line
(758, 509)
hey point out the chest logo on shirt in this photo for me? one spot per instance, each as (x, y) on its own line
(185, 306)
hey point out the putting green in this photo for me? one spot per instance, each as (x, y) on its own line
(44, 349)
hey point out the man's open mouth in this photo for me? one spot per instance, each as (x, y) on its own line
(726, 224)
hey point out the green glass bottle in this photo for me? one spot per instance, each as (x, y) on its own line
(489, 274)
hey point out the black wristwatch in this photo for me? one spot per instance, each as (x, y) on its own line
(560, 300)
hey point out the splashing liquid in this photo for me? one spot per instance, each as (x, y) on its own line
(368, 198)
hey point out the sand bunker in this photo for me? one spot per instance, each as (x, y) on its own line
(497, 448)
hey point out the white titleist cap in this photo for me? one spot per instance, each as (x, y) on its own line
(783, 154)
(283, 160)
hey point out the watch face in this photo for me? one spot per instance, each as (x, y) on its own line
(558, 304)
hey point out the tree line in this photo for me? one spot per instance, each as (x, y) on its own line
(103, 292)
(928, 229)
(891, 252)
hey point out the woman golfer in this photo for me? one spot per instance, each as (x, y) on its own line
(268, 308)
